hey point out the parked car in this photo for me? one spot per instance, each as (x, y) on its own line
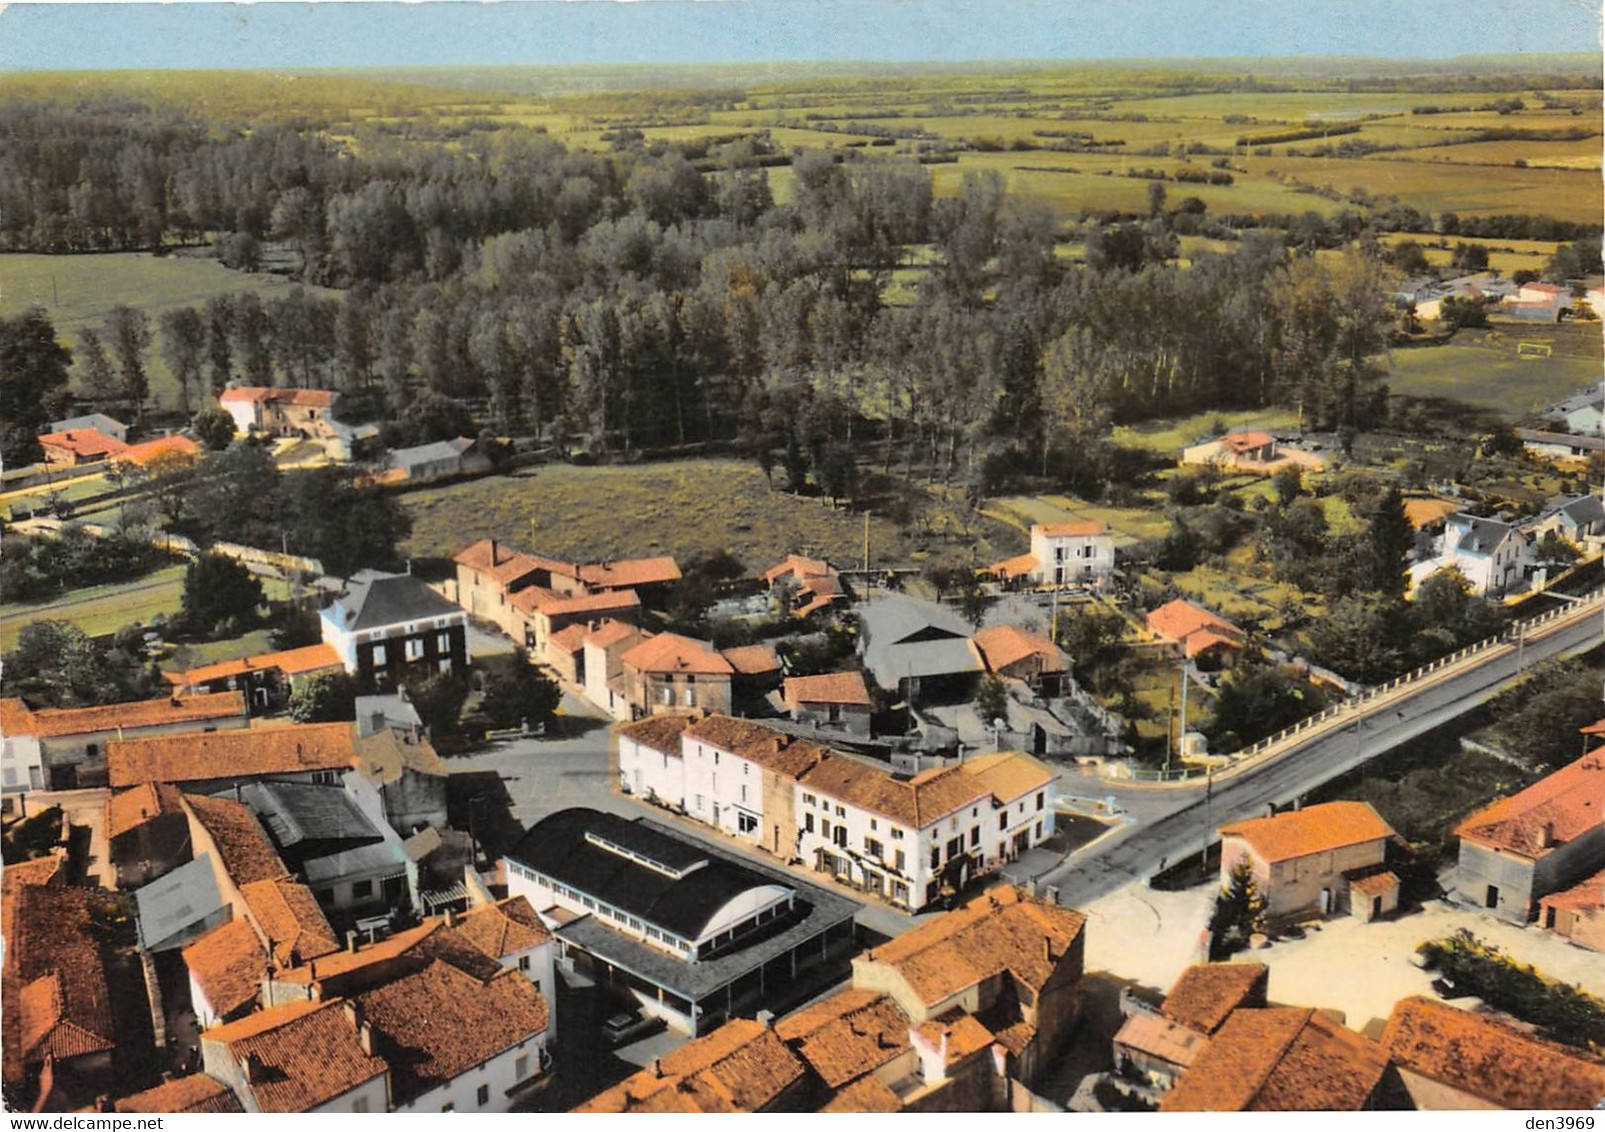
(628, 1026)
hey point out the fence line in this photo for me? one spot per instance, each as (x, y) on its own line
(1347, 706)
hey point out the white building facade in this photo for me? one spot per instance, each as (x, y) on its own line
(1076, 553)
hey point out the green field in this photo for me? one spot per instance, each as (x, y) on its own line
(80, 290)
(101, 609)
(682, 509)
(1490, 378)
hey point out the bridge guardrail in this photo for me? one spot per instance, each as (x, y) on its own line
(1349, 705)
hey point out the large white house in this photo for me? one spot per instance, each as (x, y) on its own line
(903, 839)
(1492, 554)
(1076, 553)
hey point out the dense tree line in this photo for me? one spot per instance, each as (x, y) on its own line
(636, 300)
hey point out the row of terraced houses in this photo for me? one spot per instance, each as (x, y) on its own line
(905, 840)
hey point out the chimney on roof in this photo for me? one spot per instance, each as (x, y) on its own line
(657, 1068)
(354, 1013)
(1047, 949)
(493, 551)
(255, 1070)
(1549, 835)
(174, 701)
(451, 917)
(365, 1037)
(766, 1018)
(352, 937)
(1298, 804)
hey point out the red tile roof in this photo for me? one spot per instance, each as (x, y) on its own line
(56, 998)
(1499, 1065)
(610, 632)
(288, 915)
(1549, 813)
(752, 660)
(49, 723)
(247, 854)
(228, 964)
(503, 928)
(147, 451)
(626, 572)
(1586, 893)
(569, 640)
(914, 802)
(313, 398)
(867, 1094)
(1003, 646)
(504, 565)
(1009, 774)
(84, 443)
(657, 732)
(290, 662)
(771, 749)
(799, 565)
(195, 1093)
(1280, 1059)
(674, 654)
(1017, 567)
(309, 1054)
(1072, 528)
(439, 1023)
(1207, 993)
(847, 1035)
(1245, 441)
(128, 809)
(828, 688)
(960, 1031)
(200, 756)
(1193, 627)
(1314, 829)
(1375, 884)
(743, 1066)
(1001, 930)
(558, 605)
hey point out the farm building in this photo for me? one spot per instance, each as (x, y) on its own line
(1312, 861)
(1543, 839)
(1080, 552)
(79, 446)
(100, 422)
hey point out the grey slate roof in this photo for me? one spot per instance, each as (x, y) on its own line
(905, 637)
(372, 600)
(183, 898)
(682, 905)
(111, 426)
(430, 453)
(382, 857)
(1579, 510)
(303, 811)
(1482, 536)
(1561, 439)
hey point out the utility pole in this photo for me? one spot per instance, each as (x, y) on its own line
(866, 542)
(1181, 737)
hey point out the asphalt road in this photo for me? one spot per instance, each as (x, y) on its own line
(1142, 850)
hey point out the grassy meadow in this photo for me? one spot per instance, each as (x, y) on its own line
(683, 509)
(80, 290)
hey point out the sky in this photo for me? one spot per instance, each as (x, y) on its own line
(70, 36)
